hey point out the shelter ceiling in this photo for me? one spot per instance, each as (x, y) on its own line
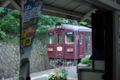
(73, 9)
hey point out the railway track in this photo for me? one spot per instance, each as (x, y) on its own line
(61, 62)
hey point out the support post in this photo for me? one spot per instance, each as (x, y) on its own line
(29, 21)
(116, 59)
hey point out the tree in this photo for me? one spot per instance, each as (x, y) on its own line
(46, 22)
(10, 23)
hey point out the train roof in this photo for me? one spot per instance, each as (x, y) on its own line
(73, 27)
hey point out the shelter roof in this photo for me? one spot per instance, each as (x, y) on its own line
(72, 9)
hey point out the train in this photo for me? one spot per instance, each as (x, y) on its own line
(69, 42)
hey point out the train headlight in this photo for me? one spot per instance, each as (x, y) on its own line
(70, 50)
(50, 49)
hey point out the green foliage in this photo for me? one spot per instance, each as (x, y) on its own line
(62, 73)
(10, 23)
(2, 35)
(86, 60)
(17, 75)
(43, 28)
(43, 53)
(46, 22)
(73, 22)
(14, 40)
(51, 77)
(1, 9)
(85, 23)
(59, 74)
(14, 13)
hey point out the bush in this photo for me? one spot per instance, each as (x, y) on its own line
(51, 77)
(86, 60)
(60, 74)
(2, 35)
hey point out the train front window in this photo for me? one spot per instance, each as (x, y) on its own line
(69, 38)
(59, 38)
(50, 38)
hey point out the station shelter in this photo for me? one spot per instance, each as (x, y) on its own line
(105, 18)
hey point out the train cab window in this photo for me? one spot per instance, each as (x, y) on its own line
(59, 38)
(50, 38)
(69, 38)
(81, 38)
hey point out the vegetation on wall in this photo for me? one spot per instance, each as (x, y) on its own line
(9, 23)
(86, 61)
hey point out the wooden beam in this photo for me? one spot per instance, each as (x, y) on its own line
(105, 4)
(6, 3)
(60, 15)
(15, 5)
(102, 4)
(53, 9)
(87, 15)
(110, 3)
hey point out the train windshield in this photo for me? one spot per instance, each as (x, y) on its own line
(59, 38)
(69, 38)
(50, 38)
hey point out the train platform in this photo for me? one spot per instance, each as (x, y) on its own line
(72, 74)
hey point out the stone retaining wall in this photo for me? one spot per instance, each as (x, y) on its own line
(10, 58)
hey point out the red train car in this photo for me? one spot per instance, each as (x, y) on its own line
(69, 42)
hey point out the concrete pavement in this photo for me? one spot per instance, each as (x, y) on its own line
(72, 74)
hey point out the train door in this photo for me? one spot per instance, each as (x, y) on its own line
(81, 45)
(51, 45)
(69, 45)
(59, 44)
